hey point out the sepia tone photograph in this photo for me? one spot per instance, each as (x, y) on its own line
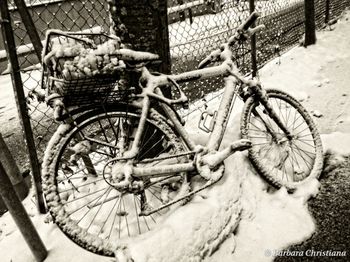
(174, 130)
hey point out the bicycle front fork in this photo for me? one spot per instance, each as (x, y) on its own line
(262, 97)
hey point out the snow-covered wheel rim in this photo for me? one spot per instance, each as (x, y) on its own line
(286, 163)
(87, 209)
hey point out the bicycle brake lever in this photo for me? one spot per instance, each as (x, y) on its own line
(212, 57)
(252, 31)
(204, 63)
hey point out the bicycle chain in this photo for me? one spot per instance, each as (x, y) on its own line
(150, 212)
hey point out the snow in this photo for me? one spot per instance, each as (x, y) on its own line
(79, 60)
(331, 143)
(241, 218)
(273, 221)
(198, 227)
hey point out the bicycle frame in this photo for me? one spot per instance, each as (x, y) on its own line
(151, 90)
(151, 84)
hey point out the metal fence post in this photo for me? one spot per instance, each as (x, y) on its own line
(182, 15)
(327, 14)
(21, 217)
(29, 24)
(12, 170)
(310, 25)
(10, 47)
(253, 42)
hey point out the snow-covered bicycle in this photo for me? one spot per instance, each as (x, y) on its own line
(113, 170)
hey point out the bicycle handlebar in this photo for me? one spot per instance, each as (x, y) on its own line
(242, 32)
(129, 55)
(249, 22)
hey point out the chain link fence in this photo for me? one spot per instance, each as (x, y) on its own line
(66, 15)
(195, 28)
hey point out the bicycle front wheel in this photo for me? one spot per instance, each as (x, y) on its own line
(77, 178)
(282, 161)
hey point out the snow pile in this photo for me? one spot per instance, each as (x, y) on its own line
(271, 220)
(194, 231)
(197, 229)
(242, 213)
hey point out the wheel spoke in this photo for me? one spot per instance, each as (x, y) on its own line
(270, 146)
(305, 143)
(92, 203)
(126, 217)
(83, 185)
(99, 209)
(109, 214)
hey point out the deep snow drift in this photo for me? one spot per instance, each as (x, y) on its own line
(241, 218)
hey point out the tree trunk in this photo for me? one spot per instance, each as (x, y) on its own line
(144, 25)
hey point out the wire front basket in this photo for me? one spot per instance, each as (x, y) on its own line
(82, 69)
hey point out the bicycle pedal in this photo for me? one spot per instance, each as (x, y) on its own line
(207, 121)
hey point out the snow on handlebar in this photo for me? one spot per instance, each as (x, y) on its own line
(252, 31)
(136, 56)
(210, 58)
(249, 22)
(243, 31)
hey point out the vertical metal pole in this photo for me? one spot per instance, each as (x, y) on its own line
(10, 47)
(31, 29)
(310, 25)
(12, 170)
(21, 217)
(253, 42)
(182, 13)
(327, 14)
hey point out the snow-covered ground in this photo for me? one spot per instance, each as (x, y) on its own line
(241, 218)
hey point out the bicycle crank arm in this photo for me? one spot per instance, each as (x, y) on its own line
(212, 160)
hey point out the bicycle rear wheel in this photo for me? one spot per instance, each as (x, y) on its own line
(282, 161)
(84, 204)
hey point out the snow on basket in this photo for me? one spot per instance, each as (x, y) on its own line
(83, 68)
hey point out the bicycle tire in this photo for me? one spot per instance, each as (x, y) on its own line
(286, 163)
(109, 226)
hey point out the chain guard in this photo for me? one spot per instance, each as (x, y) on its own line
(217, 175)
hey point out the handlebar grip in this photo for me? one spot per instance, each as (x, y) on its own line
(137, 56)
(256, 29)
(250, 20)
